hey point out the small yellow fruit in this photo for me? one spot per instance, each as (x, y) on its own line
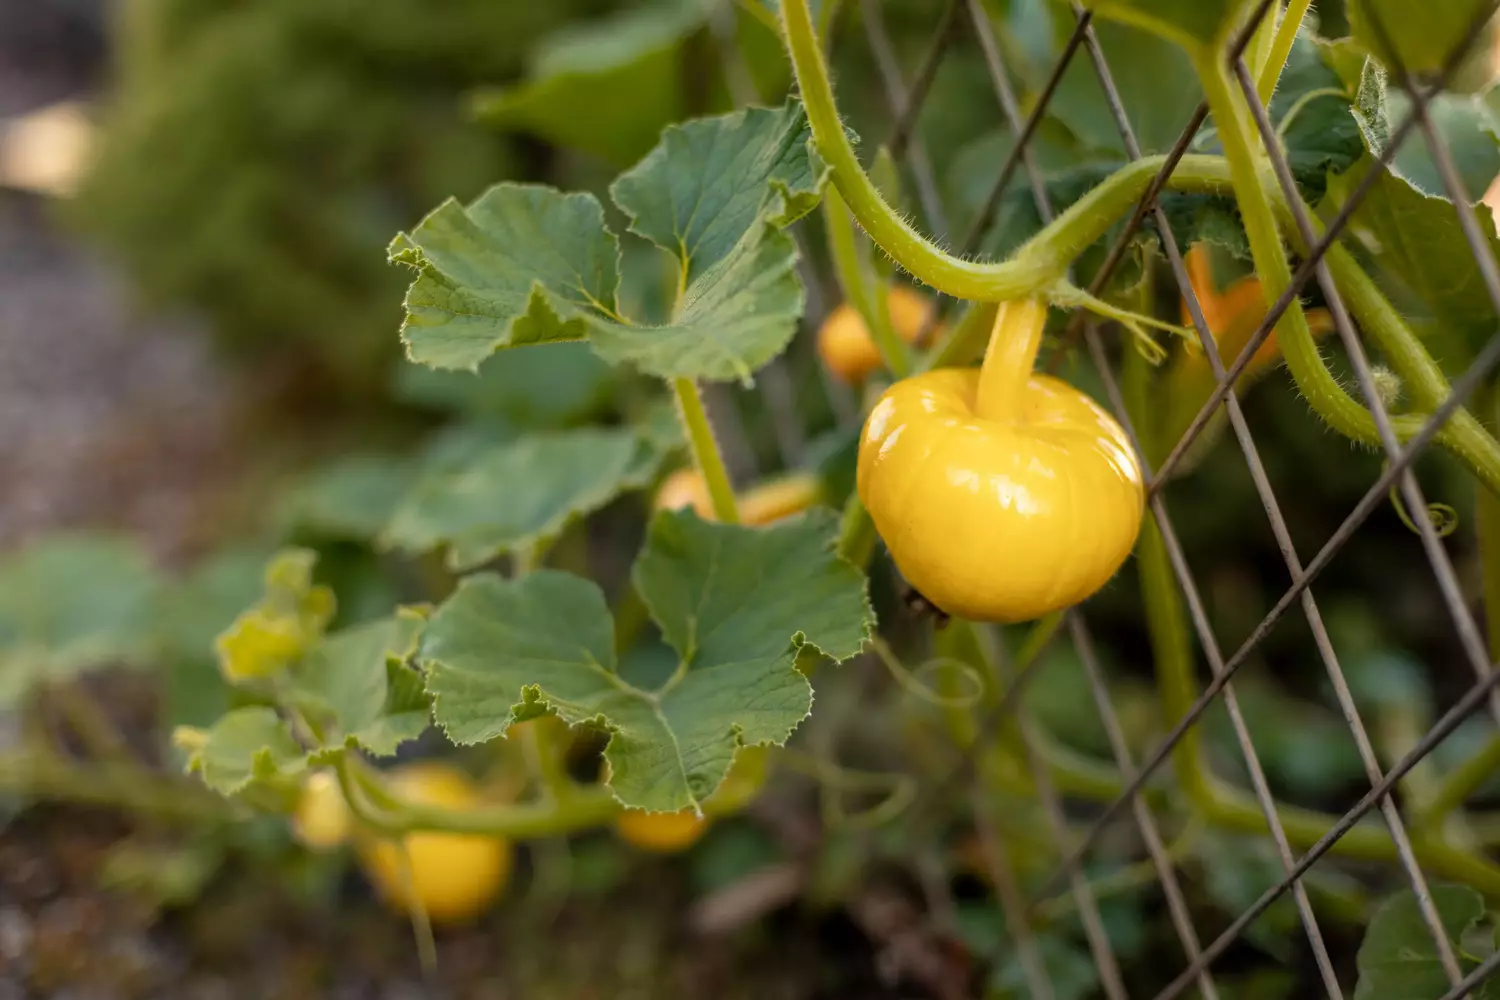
(845, 344)
(321, 820)
(455, 876)
(661, 833)
(763, 503)
(685, 488)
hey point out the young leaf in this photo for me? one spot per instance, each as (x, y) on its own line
(357, 686)
(1398, 959)
(518, 493)
(248, 744)
(737, 604)
(526, 264)
(274, 634)
(72, 603)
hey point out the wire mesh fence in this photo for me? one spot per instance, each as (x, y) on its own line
(905, 95)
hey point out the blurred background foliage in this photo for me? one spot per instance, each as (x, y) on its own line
(254, 160)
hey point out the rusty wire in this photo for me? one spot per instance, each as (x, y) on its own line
(905, 105)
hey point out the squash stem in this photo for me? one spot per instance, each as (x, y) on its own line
(1014, 341)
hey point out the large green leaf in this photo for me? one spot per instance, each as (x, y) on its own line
(737, 604)
(246, 745)
(1191, 22)
(1423, 36)
(357, 686)
(605, 87)
(711, 181)
(532, 389)
(517, 493)
(1157, 86)
(738, 315)
(350, 498)
(70, 603)
(1417, 242)
(526, 265)
(523, 264)
(1398, 958)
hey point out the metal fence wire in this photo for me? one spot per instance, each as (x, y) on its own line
(905, 99)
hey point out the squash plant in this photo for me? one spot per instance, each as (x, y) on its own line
(1002, 494)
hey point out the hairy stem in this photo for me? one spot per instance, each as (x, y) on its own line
(849, 265)
(1269, 73)
(706, 454)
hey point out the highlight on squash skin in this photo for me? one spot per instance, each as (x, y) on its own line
(844, 341)
(455, 876)
(763, 503)
(1002, 494)
(321, 821)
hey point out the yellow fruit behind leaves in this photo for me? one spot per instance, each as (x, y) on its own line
(455, 876)
(844, 341)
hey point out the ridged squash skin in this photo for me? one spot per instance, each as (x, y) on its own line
(1002, 494)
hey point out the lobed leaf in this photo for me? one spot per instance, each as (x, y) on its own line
(518, 493)
(247, 745)
(527, 265)
(358, 686)
(737, 605)
(1398, 959)
(522, 264)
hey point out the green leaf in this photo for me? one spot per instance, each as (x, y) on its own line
(70, 603)
(605, 87)
(1157, 85)
(526, 264)
(1188, 22)
(737, 604)
(1423, 36)
(738, 315)
(351, 498)
(711, 181)
(248, 744)
(1398, 959)
(1420, 248)
(518, 493)
(1467, 127)
(531, 389)
(357, 686)
(520, 265)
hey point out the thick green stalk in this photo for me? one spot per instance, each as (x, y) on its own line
(130, 787)
(849, 266)
(1487, 527)
(1246, 166)
(1269, 73)
(559, 816)
(1457, 785)
(706, 455)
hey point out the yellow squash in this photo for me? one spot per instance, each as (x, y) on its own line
(763, 503)
(660, 833)
(845, 344)
(1001, 493)
(455, 875)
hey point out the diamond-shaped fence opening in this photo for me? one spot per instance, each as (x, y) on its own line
(1375, 829)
